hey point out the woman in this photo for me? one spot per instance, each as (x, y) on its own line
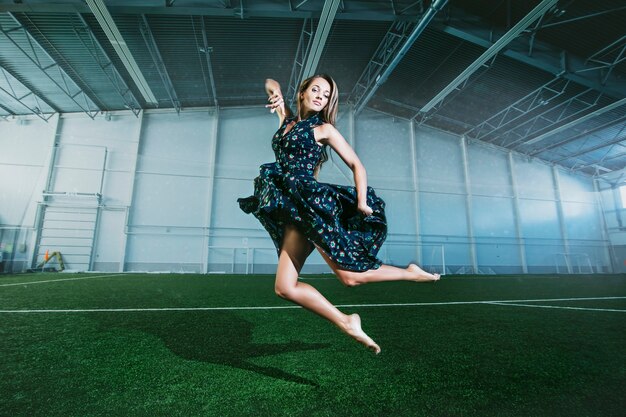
(346, 225)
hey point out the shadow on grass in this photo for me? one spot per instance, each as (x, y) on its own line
(216, 337)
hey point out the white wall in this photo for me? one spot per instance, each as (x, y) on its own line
(615, 220)
(169, 184)
(25, 150)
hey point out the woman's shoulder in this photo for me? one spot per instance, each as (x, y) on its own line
(324, 131)
(325, 127)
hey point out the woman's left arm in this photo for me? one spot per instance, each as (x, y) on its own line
(328, 134)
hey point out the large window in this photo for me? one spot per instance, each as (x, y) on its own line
(622, 193)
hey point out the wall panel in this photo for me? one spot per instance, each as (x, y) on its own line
(166, 207)
(168, 214)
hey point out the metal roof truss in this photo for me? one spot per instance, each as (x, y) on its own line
(518, 135)
(304, 46)
(93, 46)
(144, 27)
(516, 111)
(489, 54)
(13, 88)
(38, 55)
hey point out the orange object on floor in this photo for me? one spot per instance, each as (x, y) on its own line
(46, 256)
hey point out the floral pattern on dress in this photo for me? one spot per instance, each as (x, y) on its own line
(287, 193)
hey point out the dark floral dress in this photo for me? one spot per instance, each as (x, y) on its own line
(286, 193)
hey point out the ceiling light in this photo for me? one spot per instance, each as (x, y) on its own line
(111, 31)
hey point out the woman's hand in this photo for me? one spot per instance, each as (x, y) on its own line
(276, 102)
(365, 209)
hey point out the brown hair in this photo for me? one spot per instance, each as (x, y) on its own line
(328, 113)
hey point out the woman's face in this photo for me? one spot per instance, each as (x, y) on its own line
(316, 96)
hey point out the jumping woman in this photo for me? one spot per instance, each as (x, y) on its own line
(347, 225)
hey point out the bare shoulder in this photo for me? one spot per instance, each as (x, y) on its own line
(325, 133)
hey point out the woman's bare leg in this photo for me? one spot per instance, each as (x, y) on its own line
(292, 256)
(384, 273)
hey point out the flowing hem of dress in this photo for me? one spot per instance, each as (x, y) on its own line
(325, 214)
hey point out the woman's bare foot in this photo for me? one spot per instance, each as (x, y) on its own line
(421, 275)
(353, 329)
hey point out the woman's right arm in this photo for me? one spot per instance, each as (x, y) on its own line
(276, 100)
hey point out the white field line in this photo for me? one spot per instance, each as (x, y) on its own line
(557, 307)
(62, 279)
(115, 310)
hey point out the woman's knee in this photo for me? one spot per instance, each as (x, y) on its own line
(284, 291)
(347, 278)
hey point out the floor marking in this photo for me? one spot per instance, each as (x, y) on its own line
(126, 310)
(62, 279)
(494, 302)
(557, 307)
(481, 302)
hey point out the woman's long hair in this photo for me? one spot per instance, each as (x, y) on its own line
(328, 114)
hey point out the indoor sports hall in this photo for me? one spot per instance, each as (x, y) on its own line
(134, 283)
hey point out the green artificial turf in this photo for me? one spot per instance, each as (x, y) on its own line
(152, 347)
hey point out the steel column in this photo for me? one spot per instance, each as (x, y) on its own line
(560, 213)
(516, 212)
(210, 191)
(47, 186)
(608, 253)
(468, 206)
(131, 192)
(416, 192)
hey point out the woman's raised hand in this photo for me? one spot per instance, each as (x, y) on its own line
(276, 102)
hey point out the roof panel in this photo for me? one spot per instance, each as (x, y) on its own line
(253, 41)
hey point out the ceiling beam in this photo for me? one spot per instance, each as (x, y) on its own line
(585, 165)
(615, 178)
(607, 58)
(304, 45)
(97, 52)
(546, 57)
(553, 115)
(586, 16)
(490, 53)
(24, 96)
(585, 133)
(153, 48)
(588, 116)
(23, 40)
(319, 39)
(207, 52)
(619, 138)
(386, 59)
(373, 11)
(9, 112)
(104, 18)
(534, 100)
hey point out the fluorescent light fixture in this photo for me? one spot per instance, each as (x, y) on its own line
(105, 20)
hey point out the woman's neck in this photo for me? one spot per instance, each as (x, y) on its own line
(306, 114)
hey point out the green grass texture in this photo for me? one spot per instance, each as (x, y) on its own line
(226, 345)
